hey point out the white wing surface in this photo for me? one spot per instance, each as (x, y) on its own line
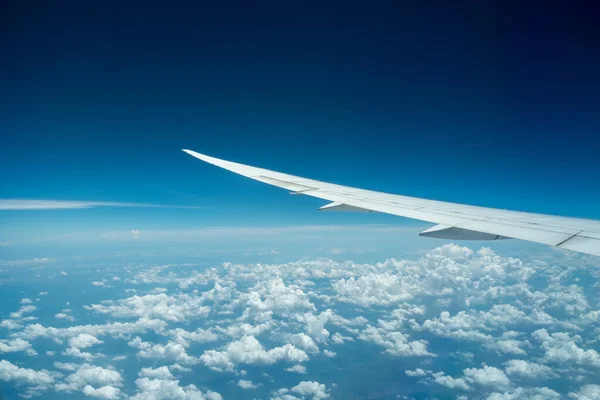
(455, 221)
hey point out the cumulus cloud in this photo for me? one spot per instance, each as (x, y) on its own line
(105, 392)
(395, 343)
(298, 368)
(562, 348)
(16, 345)
(167, 352)
(528, 369)
(156, 373)
(167, 389)
(477, 304)
(307, 389)
(416, 372)
(587, 392)
(486, 377)
(10, 372)
(83, 341)
(92, 381)
(175, 308)
(246, 385)
(248, 350)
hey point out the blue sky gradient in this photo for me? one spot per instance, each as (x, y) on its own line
(479, 104)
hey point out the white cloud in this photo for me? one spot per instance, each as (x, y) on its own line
(416, 372)
(395, 343)
(472, 303)
(115, 329)
(176, 308)
(246, 385)
(34, 204)
(542, 393)
(23, 310)
(16, 345)
(168, 352)
(248, 350)
(167, 389)
(298, 368)
(158, 373)
(306, 389)
(200, 335)
(450, 382)
(304, 342)
(486, 377)
(105, 392)
(528, 369)
(135, 233)
(561, 348)
(10, 372)
(91, 377)
(83, 341)
(587, 392)
(10, 324)
(66, 366)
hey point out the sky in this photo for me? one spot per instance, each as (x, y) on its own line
(151, 275)
(493, 105)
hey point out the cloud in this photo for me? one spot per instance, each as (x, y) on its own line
(561, 348)
(157, 373)
(105, 392)
(395, 343)
(168, 352)
(542, 393)
(416, 372)
(248, 350)
(176, 308)
(116, 329)
(298, 368)
(328, 353)
(528, 369)
(83, 341)
(89, 378)
(587, 392)
(464, 307)
(135, 233)
(167, 389)
(23, 310)
(486, 377)
(307, 389)
(14, 263)
(34, 204)
(246, 385)
(16, 345)
(39, 380)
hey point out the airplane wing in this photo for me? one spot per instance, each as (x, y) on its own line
(454, 221)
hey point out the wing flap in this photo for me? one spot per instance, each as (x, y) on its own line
(582, 244)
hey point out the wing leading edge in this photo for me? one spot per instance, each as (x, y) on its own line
(455, 221)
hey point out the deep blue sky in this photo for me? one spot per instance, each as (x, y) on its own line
(487, 104)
